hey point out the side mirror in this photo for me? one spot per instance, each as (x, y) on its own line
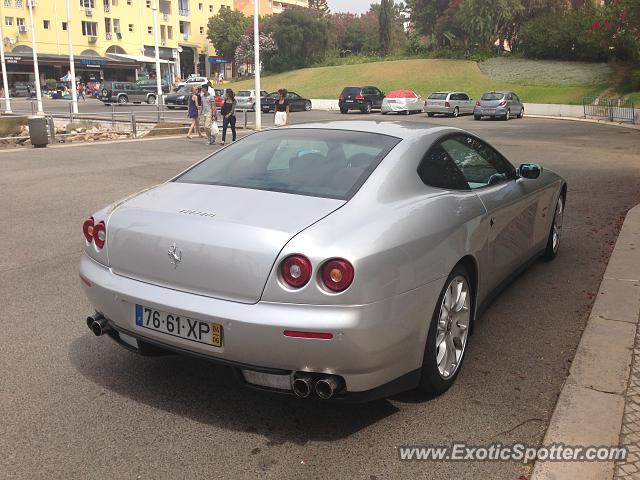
(529, 171)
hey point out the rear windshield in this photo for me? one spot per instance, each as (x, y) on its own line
(438, 96)
(184, 90)
(243, 93)
(317, 162)
(492, 96)
(351, 91)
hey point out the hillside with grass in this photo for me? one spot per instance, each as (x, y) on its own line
(534, 81)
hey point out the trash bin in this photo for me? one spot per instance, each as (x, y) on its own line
(38, 131)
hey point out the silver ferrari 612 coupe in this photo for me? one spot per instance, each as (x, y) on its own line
(343, 260)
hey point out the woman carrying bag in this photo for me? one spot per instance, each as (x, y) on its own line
(229, 115)
(281, 117)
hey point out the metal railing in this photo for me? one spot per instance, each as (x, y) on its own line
(612, 109)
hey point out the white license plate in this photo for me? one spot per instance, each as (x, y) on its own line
(179, 326)
(490, 111)
(392, 101)
(349, 101)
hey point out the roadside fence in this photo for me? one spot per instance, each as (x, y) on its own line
(613, 109)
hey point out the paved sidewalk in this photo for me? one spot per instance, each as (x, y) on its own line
(630, 435)
(599, 404)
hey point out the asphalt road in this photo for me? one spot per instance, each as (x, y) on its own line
(76, 406)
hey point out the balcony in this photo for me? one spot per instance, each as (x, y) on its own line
(183, 12)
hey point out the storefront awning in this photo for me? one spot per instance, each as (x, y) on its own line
(218, 60)
(137, 58)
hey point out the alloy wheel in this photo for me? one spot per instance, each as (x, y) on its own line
(557, 225)
(453, 327)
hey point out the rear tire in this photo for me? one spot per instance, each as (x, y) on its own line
(507, 115)
(307, 106)
(553, 242)
(343, 111)
(367, 109)
(477, 117)
(122, 99)
(456, 112)
(448, 333)
(521, 114)
(429, 114)
(151, 100)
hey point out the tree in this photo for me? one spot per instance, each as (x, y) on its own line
(225, 31)
(301, 39)
(485, 22)
(424, 14)
(245, 51)
(320, 6)
(386, 21)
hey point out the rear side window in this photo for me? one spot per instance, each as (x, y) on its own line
(243, 93)
(480, 164)
(492, 96)
(438, 96)
(316, 162)
(438, 170)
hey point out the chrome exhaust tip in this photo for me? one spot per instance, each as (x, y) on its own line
(328, 386)
(302, 386)
(99, 326)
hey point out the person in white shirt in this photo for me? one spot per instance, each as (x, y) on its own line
(210, 114)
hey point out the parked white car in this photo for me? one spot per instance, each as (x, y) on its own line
(402, 101)
(449, 103)
(193, 82)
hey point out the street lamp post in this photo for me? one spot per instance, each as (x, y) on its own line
(72, 67)
(155, 38)
(256, 48)
(5, 83)
(36, 71)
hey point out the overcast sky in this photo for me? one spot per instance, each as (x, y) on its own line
(354, 6)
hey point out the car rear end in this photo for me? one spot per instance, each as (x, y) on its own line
(208, 265)
(491, 104)
(245, 99)
(438, 103)
(108, 93)
(268, 103)
(352, 98)
(219, 97)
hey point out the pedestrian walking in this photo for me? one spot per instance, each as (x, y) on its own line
(209, 114)
(194, 112)
(220, 78)
(229, 115)
(80, 91)
(281, 116)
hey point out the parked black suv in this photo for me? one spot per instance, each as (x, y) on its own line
(364, 99)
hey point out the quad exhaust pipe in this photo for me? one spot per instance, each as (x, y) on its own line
(325, 387)
(98, 325)
(303, 385)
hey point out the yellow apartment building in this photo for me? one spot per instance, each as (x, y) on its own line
(114, 39)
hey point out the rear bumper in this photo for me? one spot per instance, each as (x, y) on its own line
(490, 111)
(372, 344)
(355, 105)
(432, 109)
(394, 107)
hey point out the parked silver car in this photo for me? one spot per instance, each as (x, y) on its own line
(339, 259)
(449, 103)
(502, 105)
(246, 99)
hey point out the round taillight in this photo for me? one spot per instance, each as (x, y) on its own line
(337, 274)
(296, 270)
(99, 234)
(87, 229)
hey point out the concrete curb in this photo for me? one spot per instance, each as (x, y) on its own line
(591, 403)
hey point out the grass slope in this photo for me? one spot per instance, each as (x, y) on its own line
(428, 75)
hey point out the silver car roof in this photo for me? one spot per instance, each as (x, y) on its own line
(403, 130)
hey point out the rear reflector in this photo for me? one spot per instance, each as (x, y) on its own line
(298, 334)
(85, 281)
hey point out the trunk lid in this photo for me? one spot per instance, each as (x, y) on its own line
(226, 239)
